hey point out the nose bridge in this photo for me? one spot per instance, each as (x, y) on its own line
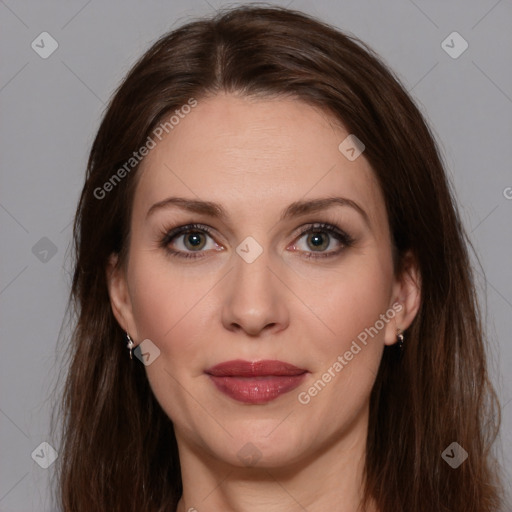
(251, 274)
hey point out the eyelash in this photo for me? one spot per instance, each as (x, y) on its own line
(319, 227)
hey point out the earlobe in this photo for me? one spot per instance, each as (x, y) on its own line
(120, 300)
(406, 299)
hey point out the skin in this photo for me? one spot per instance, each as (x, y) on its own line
(255, 157)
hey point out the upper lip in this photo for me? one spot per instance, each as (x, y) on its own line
(241, 368)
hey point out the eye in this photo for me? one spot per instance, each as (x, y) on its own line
(193, 240)
(189, 241)
(326, 240)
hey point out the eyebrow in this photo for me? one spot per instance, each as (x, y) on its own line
(296, 208)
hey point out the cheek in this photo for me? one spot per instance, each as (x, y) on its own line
(350, 304)
(169, 307)
(347, 360)
(348, 300)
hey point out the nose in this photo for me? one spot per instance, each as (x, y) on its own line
(255, 298)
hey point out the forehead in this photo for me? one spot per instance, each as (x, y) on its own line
(255, 156)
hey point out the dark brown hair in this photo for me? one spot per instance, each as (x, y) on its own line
(119, 451)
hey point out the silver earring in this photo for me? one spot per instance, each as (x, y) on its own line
(130, 345)
(400, 337)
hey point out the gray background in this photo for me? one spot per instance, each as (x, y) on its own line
(51, 108)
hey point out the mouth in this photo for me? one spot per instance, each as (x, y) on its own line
(255, 382)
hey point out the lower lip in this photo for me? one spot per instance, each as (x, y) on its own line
(257, 390)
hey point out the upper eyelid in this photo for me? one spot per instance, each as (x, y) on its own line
(181, 230)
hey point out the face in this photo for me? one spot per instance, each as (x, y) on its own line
(290, 261)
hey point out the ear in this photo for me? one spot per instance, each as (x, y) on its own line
(120, 297)
(406, 298)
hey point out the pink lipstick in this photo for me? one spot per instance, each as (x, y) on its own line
(255, 382)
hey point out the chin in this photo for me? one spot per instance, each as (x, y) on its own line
(261, 444)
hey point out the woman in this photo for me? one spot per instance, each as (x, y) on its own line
(267, 226)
